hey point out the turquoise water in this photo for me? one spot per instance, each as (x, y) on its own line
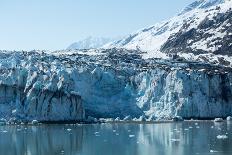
(184, 138)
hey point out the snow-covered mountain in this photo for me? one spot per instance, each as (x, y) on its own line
(202, 31)
(89, 43)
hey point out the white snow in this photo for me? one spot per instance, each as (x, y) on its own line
(150, 40)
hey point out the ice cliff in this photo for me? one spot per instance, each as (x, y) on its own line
(108, 84)
(30, 88)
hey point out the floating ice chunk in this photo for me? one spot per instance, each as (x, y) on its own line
(213, 151)
(69, 130)
(117, 134)
(96, 134)
(4, 131)
(229, 118)
(218, 120)
(197, 127)
(222, 137)
(34, 122)
(190, 127)
(175, 140)
(177, 119)
(131, 136)
(114, 130)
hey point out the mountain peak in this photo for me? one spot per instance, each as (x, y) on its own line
(90, 42)
(202, 4)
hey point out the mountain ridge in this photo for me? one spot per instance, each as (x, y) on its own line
(202, 14)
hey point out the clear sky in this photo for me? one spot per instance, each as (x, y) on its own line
(54, 24)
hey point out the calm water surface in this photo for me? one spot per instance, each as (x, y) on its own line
(183, 138)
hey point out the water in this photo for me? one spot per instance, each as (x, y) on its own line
(183, 138)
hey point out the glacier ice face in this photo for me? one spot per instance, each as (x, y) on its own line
(112, 83)
(190, 94)
(29, 90)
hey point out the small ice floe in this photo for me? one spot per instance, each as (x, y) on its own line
(229, 118)
(4, 131)
(114, 130)
(175, 140)
(190, 127)
(131, 136)
(97, 134)
(213, 151)
(69, 130)
(218, 120)
(186, 129)
(175, 129)
(197, 127)
(129, 130)
(34, 122)
(222, 137)
(196, 124)
(117, 134)
(177, 119)
(212, 127)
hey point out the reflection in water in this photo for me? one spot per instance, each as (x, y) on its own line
(183, 138)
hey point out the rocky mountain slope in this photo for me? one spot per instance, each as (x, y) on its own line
(202, 32)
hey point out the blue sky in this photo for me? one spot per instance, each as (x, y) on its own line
(54, 24)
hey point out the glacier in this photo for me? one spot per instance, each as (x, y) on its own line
(112, 83)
